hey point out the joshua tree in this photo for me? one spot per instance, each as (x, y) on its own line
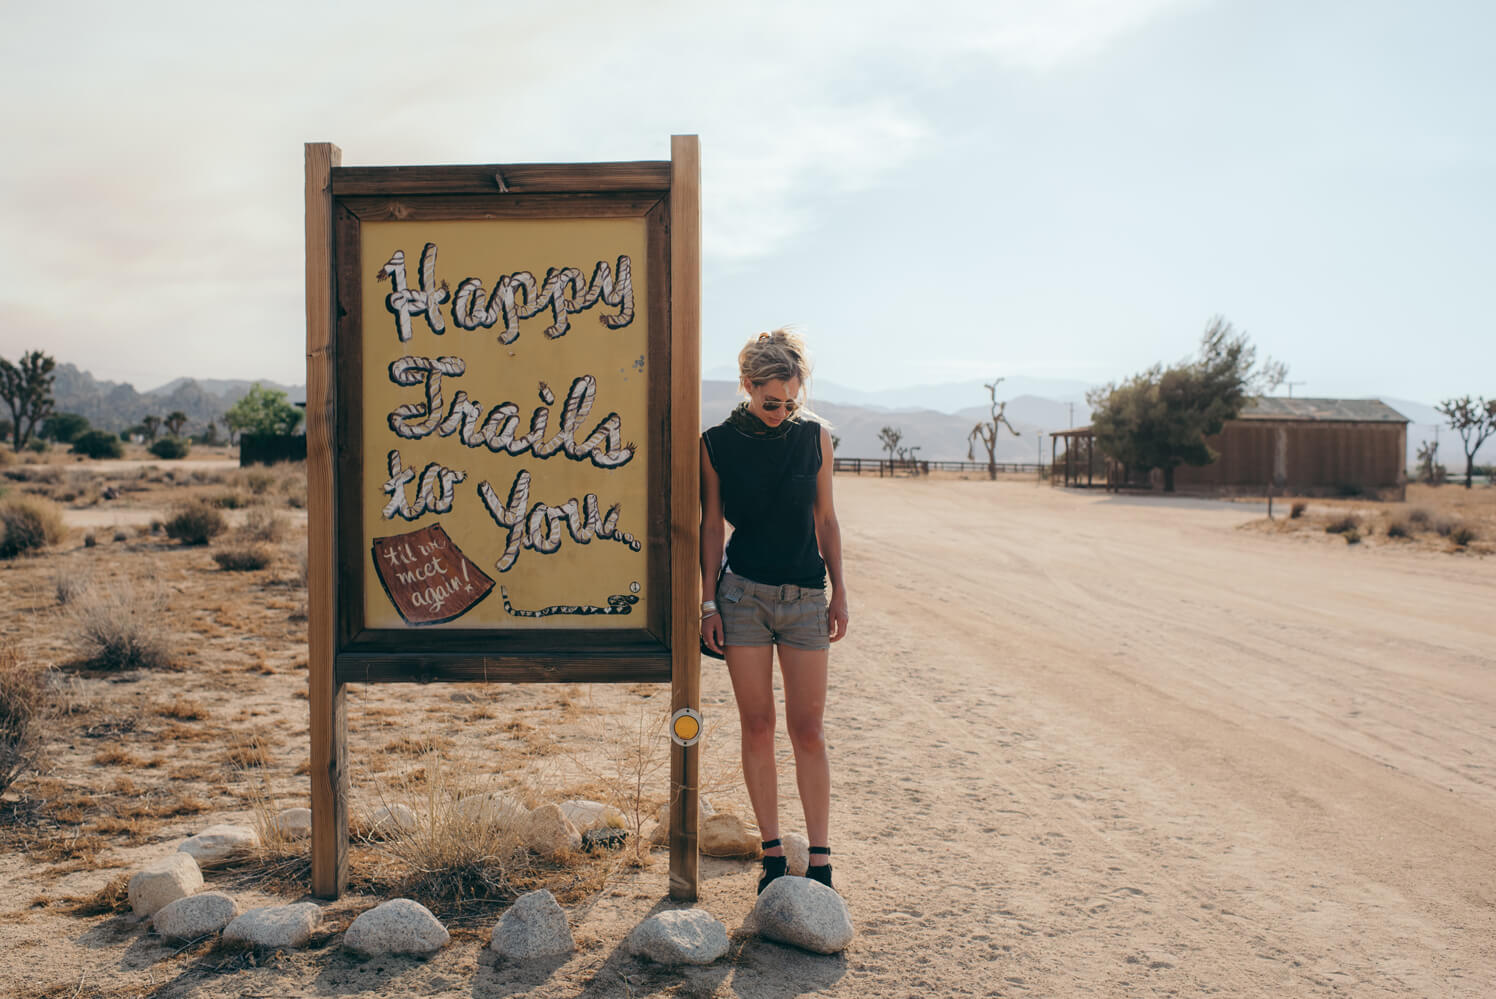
(987, 432)
(27, 389)
(152, 426)
(889, 437)
(175, 421)
(1474, 421)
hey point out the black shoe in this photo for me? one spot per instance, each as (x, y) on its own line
(820, 872)
(774, 867)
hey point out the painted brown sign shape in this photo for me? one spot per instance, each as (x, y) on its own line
(427, 577)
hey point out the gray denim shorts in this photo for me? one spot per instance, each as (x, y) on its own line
(760, 614)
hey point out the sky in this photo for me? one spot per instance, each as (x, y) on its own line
(1049, 188)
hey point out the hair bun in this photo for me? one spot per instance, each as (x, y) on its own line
(765, 337)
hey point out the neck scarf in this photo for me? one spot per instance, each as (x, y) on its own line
(743, 421)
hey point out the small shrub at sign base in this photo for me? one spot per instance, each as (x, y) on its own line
(28, 523)
(195, 523)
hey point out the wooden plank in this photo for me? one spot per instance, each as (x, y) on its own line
(657, 266)
(685, 505)
(518, 178)
(348, 436)
(328, 728)
(441, 208)
(398, 667)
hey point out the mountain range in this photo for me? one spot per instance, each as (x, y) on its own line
(936, 419)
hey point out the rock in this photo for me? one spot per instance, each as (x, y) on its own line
(216, 844)
(723, 834)
(547, 831)
(293, 823)
(163, 881)
(680, 936)
(388, 820)
(492, 808)
(535, 926)
(195, 916)
(797, 853)
(804, 913)
(660, 831)
(587, 815)
(399, 926)
(275, 927)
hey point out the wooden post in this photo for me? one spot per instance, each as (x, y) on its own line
(329, 722)
(685, 510)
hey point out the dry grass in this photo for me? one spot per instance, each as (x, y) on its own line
(23, 713)
(244, 558)
(29, 524)
(122, 627)
(195, 523)
(262, 524)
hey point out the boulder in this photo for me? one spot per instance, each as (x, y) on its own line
(535, 926)
(492, 808)
(217, 844)
(805, 914)
(399, 926)
(162, 881)
(587, 815)
(275, 927)
(547, 831)
(293, 823)
(723, 834)
(388, 820)
(195, 916)
(660, 831)
(796, 853)
(679, 936)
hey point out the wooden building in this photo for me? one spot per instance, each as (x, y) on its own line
(1305, 447)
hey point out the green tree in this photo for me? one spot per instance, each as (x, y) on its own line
(26, 388)
(151, 425)
(64, 428)
(1161, 417)
(1475, 422)
(987, 432)
(98, 444)
(263, 411)
(175, 421)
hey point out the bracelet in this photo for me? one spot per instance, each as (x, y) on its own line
(708, 607)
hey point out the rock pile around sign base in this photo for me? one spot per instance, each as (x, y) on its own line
(275, 927)
(399, 926)
(195, 916)
(163, 881)
(804, 914)
(535, 926)
(679, 936)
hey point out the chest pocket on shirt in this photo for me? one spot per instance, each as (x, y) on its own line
(800, 489)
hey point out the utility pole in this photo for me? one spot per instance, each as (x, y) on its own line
(1291, 385)
(1071, 406)
(1039, 454)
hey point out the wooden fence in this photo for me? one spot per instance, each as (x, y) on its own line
(888, 467)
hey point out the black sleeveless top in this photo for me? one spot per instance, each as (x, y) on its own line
(768, 487)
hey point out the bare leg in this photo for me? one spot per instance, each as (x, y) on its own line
(804, 705)
(752, 670)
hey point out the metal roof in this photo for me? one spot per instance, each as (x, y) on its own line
(1340, 410)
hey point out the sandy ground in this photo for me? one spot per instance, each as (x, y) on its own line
(1082, 745)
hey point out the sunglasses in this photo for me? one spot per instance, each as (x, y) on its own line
(773, 405)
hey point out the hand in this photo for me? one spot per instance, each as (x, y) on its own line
(711, 632)
(836, 617)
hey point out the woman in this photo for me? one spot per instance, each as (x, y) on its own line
(767, 470)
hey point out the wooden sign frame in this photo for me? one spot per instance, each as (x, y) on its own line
(343, 648)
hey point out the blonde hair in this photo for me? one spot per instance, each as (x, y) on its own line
(779, 355)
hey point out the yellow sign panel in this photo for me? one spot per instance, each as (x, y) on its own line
(505, 374)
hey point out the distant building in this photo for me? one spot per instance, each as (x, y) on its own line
(1306, 447)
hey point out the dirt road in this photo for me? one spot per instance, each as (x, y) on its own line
(1093, 745)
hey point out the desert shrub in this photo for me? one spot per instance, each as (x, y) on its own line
(1344, 525)
(1297, 510)
(169, 448)
(195, 523)
(258, 482)
(232, 500)
(1399, 528)
(122, 627)
(1420, 516)
(261, 524)
(1463, 535)
(1352, 537)
(1445, 525)
(69, 585)
(98, 444)
(37, 446)
(121, 535)
(243, 558)
(23, 700)
(28, 523)
(89, 541)
(6, 458)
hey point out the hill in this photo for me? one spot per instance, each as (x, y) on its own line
(117, 405)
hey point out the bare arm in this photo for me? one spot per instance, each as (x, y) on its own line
(828, 537)
(713, 533)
